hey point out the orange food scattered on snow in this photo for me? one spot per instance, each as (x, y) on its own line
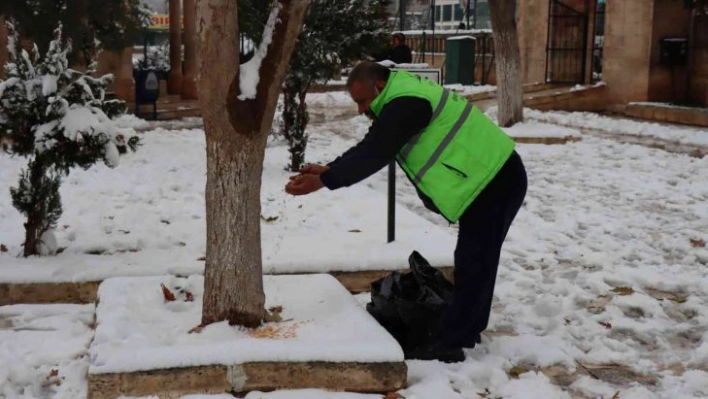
(271, 331)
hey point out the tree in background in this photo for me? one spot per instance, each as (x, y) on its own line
(335, 33)
(508, 64)
(238, 114)
(116, 24)
(59, 119)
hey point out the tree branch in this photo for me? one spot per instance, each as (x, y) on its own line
(260, 111)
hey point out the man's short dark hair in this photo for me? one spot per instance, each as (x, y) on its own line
(400, 36)
(367, 72)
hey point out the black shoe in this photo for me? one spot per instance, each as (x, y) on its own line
(436, 351)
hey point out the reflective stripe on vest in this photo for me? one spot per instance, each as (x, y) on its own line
(444, 143)
(438, 110)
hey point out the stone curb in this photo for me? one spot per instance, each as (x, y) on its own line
(261, 376)
(85, 292)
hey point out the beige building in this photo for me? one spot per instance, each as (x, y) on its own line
(646, 50)
(621, 42)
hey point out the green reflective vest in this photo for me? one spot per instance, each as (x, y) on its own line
(460, 151)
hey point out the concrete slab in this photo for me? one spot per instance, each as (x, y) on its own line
(143, 346)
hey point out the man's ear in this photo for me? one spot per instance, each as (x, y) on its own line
(380, 84)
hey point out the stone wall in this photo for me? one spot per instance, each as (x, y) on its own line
(627, 50)
(589, 100)
(120, 64)
(532, 25)
(698, 90)
(666, 84)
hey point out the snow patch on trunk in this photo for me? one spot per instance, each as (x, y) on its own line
(249, 72)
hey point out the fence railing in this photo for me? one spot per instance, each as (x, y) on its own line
(430, 47)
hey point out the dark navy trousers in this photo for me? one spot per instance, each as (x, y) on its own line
(482, 230)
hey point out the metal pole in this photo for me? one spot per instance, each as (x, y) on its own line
(145, 50)
(432, 56)
(402, 16)
(391, 236)
(475, 14)
(424, 46)
(467, 12)
(391, 201)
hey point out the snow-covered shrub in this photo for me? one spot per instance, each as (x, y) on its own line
(58, 118)
(158, 59)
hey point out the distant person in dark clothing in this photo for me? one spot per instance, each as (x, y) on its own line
(399, 53)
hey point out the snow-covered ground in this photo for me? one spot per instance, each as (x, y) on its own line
(150, 212)
(467, 90)
(624, 127)
(43, 350)
(605, 264)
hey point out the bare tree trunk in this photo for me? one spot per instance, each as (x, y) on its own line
(36, 219)
(236, 134)
(42, 189)
(36, 223)
(508, 60)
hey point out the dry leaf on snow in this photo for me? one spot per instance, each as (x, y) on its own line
(623, 290)
(169, 296)
(697, 242)
(198, 329)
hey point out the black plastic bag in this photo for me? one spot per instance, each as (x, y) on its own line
(410, 306)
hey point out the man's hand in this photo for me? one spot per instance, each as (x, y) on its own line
(304, 184)
(313, 169)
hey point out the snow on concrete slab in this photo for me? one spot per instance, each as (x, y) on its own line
(622, 126)
(43, 350)
(137, 330)
(344, 230)
(533, 128)
(467, 90)
(539, 129)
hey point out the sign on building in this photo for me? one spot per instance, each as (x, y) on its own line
(160, 22)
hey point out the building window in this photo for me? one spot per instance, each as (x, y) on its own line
(447, 12)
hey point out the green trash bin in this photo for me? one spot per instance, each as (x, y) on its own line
(459, 60)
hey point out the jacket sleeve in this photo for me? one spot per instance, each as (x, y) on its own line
(400, 120)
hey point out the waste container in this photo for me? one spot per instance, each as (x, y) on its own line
(459, 60)
(674, 51)
(147, 89)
